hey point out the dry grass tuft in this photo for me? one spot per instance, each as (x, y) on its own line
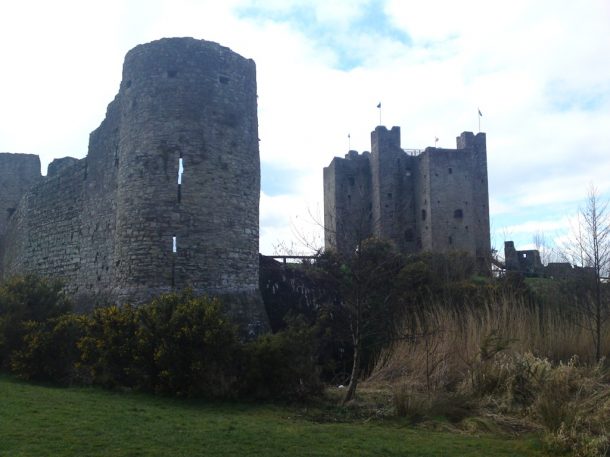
(506, 364)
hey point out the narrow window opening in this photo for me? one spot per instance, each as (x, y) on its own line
(223, 79)
(450, 170)
(458, 214)
(180, 172)
(450, 240)
(351, 180)
(390, 195)
(174, 245)
(423, 214)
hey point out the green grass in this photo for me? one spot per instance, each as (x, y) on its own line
(48, 421)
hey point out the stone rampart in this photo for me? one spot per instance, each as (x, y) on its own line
(168, 194)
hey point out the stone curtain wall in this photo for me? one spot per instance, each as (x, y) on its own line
(44, 234)
(18, 174)
(125, 223)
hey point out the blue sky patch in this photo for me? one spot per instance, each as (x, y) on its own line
(563, 97)
(277, 180)
(371, 22)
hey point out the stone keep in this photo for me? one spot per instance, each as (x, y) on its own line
(432, 200)
(168, 194)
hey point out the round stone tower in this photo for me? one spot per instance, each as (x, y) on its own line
(188, 171)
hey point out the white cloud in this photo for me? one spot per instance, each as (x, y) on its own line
(537, 71)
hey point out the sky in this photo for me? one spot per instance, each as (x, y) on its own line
(539, 71)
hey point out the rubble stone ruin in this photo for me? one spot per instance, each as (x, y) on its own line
(433, 200)
(167, 196)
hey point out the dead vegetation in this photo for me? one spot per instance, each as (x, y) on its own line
(505, 367)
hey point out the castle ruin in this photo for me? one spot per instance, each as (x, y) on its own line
(431, 200)
(168, 195)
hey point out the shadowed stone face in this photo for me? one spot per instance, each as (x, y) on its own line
(168, 195)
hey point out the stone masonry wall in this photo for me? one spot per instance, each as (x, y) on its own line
(168, 194)
(18, 174)
(44, 235)
(347, 201)
(435, 200)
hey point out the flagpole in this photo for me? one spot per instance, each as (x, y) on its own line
(349, 142)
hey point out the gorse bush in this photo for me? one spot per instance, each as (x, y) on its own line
(50, 350)
(24, 299)
(109, 347)
(186, 345)
(178, 344)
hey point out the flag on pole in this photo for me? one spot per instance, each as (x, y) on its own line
(480, 114)
(379, 105)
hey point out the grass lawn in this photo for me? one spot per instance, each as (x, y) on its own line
(48, 421)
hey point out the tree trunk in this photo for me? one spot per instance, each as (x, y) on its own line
(353, 381)
(598, 321)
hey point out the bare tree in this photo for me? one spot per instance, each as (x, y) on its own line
(589, 247)
(540, 243)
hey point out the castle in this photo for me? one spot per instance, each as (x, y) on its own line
(168, 195)
(431, 200)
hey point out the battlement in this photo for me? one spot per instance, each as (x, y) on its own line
(468, 140)
(57, 165)
(354, 155)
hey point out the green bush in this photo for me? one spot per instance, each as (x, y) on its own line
(50, 350)
(108, 350)
(282, 365)
(23, 299)
(178, 344)
(187, 346)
